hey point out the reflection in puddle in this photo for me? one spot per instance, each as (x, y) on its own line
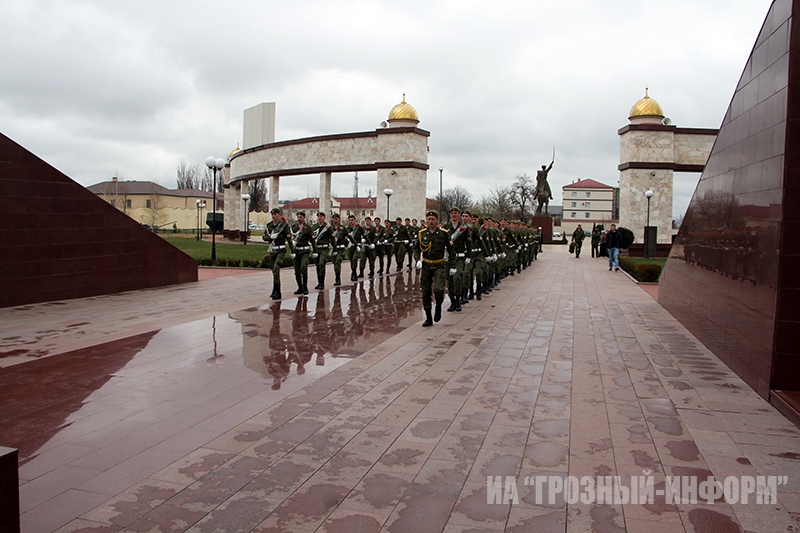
(157, 377)
(289, 336)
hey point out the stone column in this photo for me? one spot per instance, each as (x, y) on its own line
(274, 189)
(325, 194)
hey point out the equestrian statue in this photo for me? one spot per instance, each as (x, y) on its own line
(542, 193)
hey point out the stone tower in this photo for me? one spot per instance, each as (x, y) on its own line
(651, 150)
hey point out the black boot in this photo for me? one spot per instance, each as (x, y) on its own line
(454, 302)
(380, 266)
(437, 314)
(452, 305)
(276, 291)
(299, 281)
(360, 272)
(353, 276)
(305, 282)
(478, 290)
(428, 322)
(338, 280)
(319, 284)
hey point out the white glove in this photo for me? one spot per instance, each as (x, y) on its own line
(349, 244)
(314, 255)
(453, 271)
(419, 264)
(359, 249)
(494, 258)
(292, 255)
(371, 246)
(334, 254)
(467, 261)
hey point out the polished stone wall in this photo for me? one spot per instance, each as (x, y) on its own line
(60, 241)
(732, 275)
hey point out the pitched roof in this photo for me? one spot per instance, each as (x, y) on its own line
(145, 188)
(587, 183)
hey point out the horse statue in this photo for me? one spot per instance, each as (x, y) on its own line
(542, 193)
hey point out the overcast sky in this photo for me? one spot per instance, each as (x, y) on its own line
(98, 88)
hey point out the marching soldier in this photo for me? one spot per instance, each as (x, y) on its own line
(303, 241)
(380, 244)
(368, 249)
(322, 244)
(458, 239)
(401, 238)
(433, 241)
(354, 234)
(388, 243)
(279, 238)
(339, 245)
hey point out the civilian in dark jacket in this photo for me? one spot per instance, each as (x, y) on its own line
(613, 244)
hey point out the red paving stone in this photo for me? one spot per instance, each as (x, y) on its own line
(209, 407)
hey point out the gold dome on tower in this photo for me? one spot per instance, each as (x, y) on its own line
(646, 107)
(403, 111)
(234, 151)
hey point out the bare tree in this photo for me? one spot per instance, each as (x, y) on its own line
(189, 176)
(522, 195)
(258, 195)
(497, 204)
(154, 205)
(456, 196)
(116, 193)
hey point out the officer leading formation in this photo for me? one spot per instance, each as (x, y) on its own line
(467, 255)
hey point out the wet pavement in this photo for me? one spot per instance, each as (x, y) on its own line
(209, 407)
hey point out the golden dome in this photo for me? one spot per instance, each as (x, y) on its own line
(403, 111)
(646, 107)
(234, 151)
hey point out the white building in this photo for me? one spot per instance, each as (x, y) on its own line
(588, 202)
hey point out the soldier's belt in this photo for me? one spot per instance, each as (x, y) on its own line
(461, 255)
(433, 261)
(476, 250)
(301, 248)
(342, 246)
(279, 247)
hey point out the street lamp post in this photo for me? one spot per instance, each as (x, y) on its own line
(215, 164)
(441, 169)
(648, 194)
(388, 193)
(200, 206)
(246, 198)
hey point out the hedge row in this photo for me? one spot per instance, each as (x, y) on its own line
(645, 272)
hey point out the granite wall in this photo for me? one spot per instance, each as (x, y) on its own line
(60, 241)
(732, 277)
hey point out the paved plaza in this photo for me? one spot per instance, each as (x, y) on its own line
(208, 407)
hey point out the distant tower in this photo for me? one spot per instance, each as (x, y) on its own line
(651, 150)
(355, 185)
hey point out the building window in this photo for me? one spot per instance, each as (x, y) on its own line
(574, 194)
(128, 203)
(588, 195)
(348, 212)
(363, 213)
(114, 203)
(573, 215)
(587, 215)
(587, 205)
(148, 204)
(574, 204)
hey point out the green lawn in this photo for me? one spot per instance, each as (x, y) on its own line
(225, 249)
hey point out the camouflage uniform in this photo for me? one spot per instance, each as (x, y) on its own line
(303, 247)
(279, 238)
(322, 243)
(338, 245)
(432, 245)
